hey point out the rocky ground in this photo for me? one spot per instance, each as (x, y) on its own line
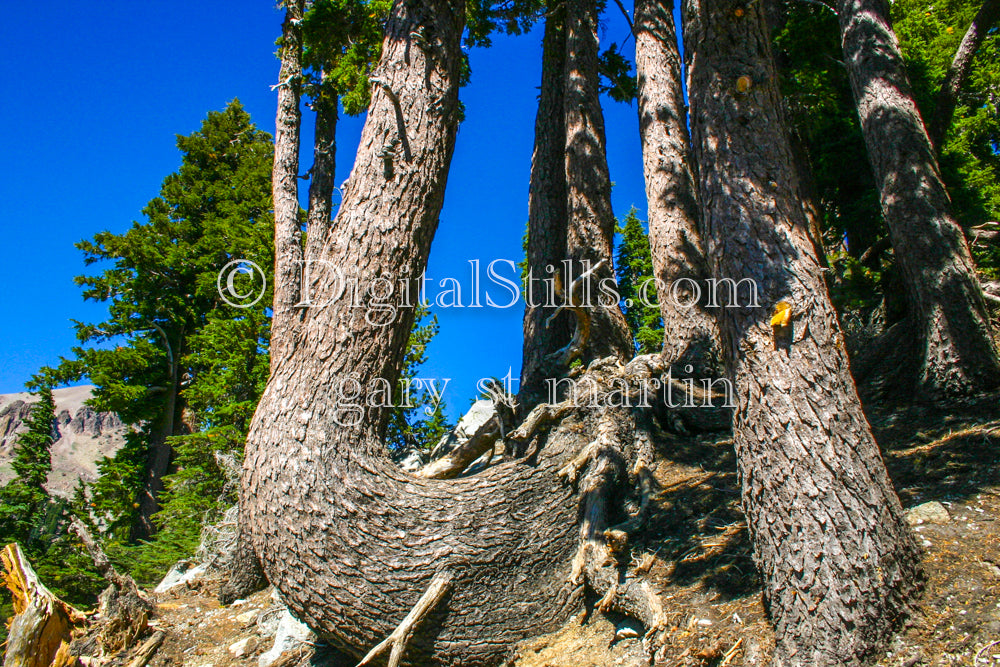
(946, 468)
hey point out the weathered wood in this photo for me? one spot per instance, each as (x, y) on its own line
(42, 629)
(147, 650)
(124, 611)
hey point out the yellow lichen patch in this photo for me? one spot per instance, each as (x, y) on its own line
(782, 315)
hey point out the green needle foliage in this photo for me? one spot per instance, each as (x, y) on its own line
(173, 357)
(634, 267)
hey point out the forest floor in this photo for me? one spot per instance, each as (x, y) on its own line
(697, 552)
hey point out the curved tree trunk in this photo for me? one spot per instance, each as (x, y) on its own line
(546, 216)
(836, 556)
(955, 351)
(958, 72)
(245, 573)
(350, 540)
(690, 330)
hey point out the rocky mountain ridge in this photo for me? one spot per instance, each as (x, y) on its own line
(83, 436)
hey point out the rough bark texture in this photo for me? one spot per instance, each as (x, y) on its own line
(323, 170)
(690, 330)
(837, 559)
(958, 72)
(546, 215)
(570, 220)
(350, 540)
(285, 186)
(955, 353)
(591, 222)
(245, 576)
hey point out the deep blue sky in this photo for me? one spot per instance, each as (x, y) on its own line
(95, 94)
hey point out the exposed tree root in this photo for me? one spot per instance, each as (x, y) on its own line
(396, 642)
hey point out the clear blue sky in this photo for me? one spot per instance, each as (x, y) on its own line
(96, 92)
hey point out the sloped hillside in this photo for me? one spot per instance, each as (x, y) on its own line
(83, 436)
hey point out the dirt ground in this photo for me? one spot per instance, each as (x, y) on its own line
(697, 552)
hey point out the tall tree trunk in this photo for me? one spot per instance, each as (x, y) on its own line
(958, 72)
(160, 452)
(679, 265)
(245, 574)
(837, 558)
(590, 226)
(323, 173)
(546, 216)
(955, 353)
(285, 186)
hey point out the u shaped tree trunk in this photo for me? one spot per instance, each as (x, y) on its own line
(351, 541)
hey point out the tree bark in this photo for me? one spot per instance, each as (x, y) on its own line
(349, 539)
(160, 452)
(546, 216)
(285, 186)
(590, 219)
(955, 351)
(679, 264)
(837, 559)
(321, 185)
(245, 573)
(958, 72)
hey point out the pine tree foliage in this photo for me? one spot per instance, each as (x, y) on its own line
(634, 266)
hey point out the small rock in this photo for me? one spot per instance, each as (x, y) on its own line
(243, 647)
(932, 512)
(704, 622)
(628, 628)
(291, 635)
(247, 616)
(183, 572)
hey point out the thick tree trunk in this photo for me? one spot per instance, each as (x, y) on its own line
(836, 556)
(360, 550)
(285, 187)
(690, 330)
(958, 72)
(591, 222)
(546, 216)
(323, 172)
(245, 576)
(955, 353)
(350, 540)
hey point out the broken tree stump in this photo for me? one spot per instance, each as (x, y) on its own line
(43, 627)
(124, 611)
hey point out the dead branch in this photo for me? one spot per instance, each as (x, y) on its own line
(124, 611)
(148, 650)
(397, 642)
